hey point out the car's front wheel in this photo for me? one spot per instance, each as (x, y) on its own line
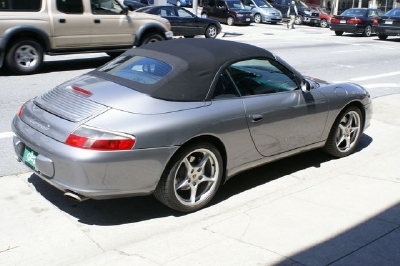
(230, 21)
(298, 20)
(25, 56)
(367, 31)
(151, 37)
(204, 15)
(191, 179)
(339, 33)
(345, 133)
(257, 18)
(211, 31)
(324, 23)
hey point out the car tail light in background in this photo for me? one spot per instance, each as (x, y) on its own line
(353, 21)
(376, 21)
(335, 20)
(95, 139)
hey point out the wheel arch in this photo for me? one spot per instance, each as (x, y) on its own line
(25, 32)
(216, 142)
(147, 29)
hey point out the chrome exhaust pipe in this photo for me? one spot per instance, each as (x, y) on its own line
(75, 196)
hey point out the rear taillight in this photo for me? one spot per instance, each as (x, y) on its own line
(95, 139)
(335, 20)
(376, 21)
(353, 21)
(20, 111)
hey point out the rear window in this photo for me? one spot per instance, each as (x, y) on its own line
(20, 5)
(140, 69)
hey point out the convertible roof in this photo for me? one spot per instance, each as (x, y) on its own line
(195, 63)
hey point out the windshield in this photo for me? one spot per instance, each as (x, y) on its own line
(394, 12)
(235, 4)
(301, 4)
(355, 12)
(262, 3)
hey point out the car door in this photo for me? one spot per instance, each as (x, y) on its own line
(110, 26)
(281, 117)
(189, 23)
(71, 26)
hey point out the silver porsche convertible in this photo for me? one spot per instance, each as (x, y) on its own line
(177, 119)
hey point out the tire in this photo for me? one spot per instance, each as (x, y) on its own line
(324, 23)
(382, 37)
(257, 18)
(345, 133)
(151, 37)
(204, 15)
(191, 179)
(25, 56)
(367, 31)
(339, 33)
(298, 20)
(211, 31)
(230, 21)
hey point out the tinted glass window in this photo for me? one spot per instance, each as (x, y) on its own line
(70, 6)
(262, 76)
(20, 5)
(136, 68)
(224, 88)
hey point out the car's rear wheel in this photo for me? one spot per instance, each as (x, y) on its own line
(204, 15)
(367, 31)
(339, 33)
(191, 179)
(257, 18)
(298, 20)
(382, 37)
(211, 31)
(151, 37)
(324, 23)
(345, 133)
(230, 21)
(25, 56)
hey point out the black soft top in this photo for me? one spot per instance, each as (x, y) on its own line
(195, 63)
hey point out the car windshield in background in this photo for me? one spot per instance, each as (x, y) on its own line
(393, 13)
(137, 68)
(235, 4)
(355, 12)
(262, 3)
(302, 4)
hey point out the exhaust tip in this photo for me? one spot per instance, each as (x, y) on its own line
(75, 196)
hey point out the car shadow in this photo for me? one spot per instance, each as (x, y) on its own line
(136, 209)
(389, 39)
(65, 65)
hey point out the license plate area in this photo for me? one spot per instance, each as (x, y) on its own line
(389, 22)
(343, 21)
(29, 158)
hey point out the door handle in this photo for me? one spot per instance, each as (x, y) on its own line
(62, 20)
(97, 21)
(255, 118)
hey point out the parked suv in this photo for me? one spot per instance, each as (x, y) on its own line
(262, 11)
(30, 29)
(230, 12)
(306, 14)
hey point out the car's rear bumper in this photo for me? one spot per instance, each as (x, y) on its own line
(386, 30)
(352, 28)
(92, 174)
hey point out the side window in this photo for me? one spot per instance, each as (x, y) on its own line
(262, 76)
(221, 5)
(182, 13)
(70, 6)
(166, 12)
(20, 5)
(106, 7)
(224, 88)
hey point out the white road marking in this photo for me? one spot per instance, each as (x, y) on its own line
(377, 76)
(4, 135)
(382, 85)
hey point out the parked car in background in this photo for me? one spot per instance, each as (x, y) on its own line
(231, 12)
(180, 2)
(135, 4)
(388, 24)
(263, 12)
(306, 14)
(177, 119)
(324, 15)
(183, 22)
(355, 20)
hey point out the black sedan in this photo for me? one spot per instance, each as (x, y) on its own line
(355, 20)
(388, 25)
(136, 4)
(184, 22)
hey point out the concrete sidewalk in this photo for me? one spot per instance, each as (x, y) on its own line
(306, 210)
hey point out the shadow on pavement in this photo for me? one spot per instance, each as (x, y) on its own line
(136, 209)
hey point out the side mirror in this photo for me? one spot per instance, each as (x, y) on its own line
(305, 86)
